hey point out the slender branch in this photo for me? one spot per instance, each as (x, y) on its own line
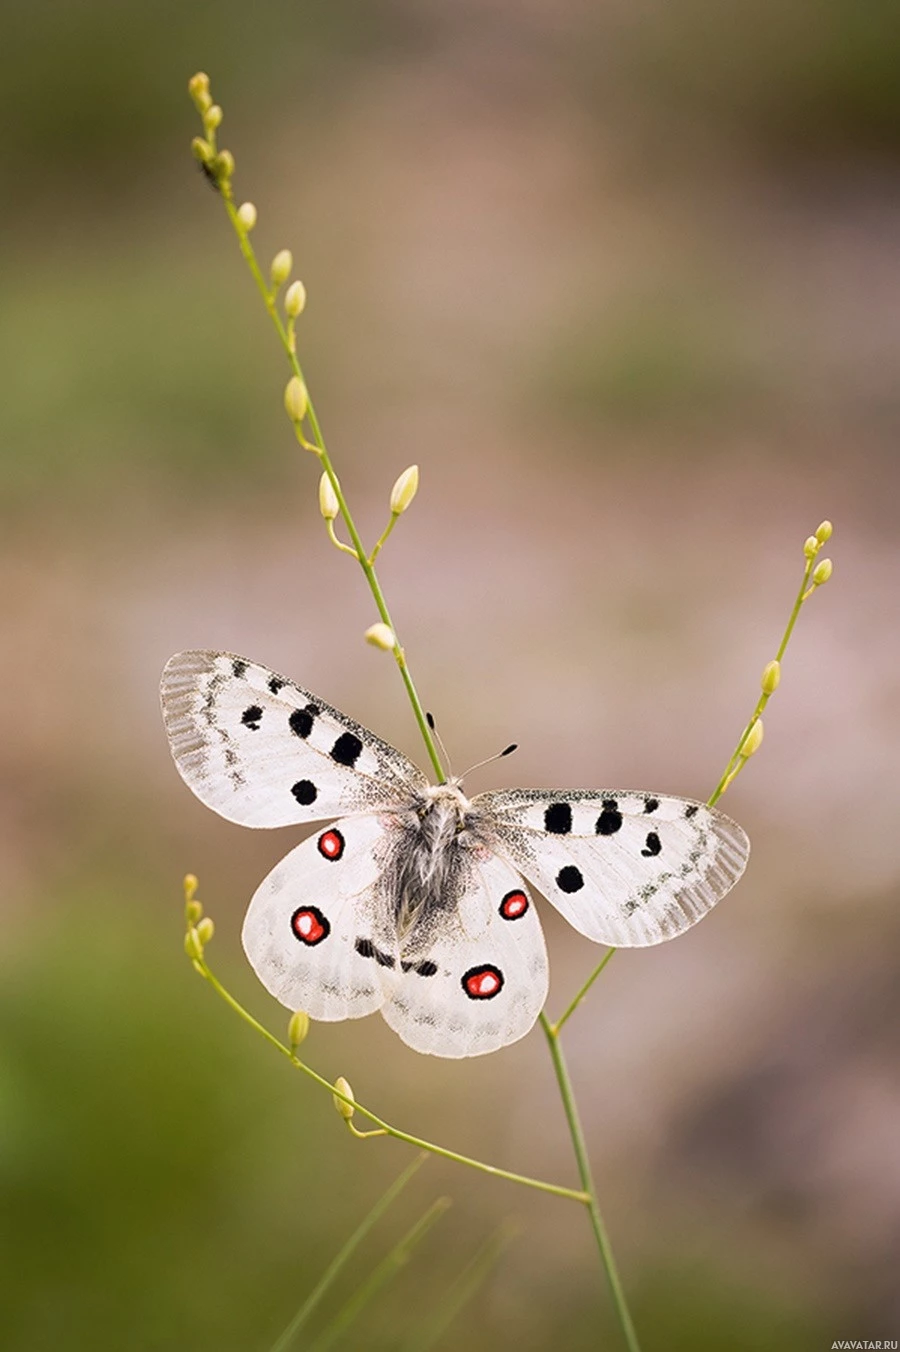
(587, 1182)
(362, 555)
(555, 1189)
(342, 1258)
(556, 1027)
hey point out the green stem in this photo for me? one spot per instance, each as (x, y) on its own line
(362, 556)
(334, 1268)
(555, 1189)
(587, 1183)
(583, 992)
(398, 1257)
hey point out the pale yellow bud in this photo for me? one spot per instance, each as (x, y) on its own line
(198, 88)
(298, 1028)
(811, 547)
(824, 532)
(771, 677)
(212, 118)
(193, 911)
(295, 300)
(202, 150)
(753, 741)
(281, 267)
(192, 945)
(328, 503)
(246, 215)
(381, 636)
(191, 883)
(822, 572)
(205, 930)
(346, 1110)
(296, 401)
(404, 490)
(224, 164)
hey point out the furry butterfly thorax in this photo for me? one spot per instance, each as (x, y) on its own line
(414, 900)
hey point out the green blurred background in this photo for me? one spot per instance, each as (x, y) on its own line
(624, 282)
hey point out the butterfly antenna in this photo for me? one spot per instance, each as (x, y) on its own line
(507, 751)
(429, 719)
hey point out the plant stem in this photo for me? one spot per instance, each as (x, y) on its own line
(340, 1260)
(555, 1189)
(573, 1005)
(587, 1182)
(362, 556)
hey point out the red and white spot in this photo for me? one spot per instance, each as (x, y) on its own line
(513, 905)
(331, 844)
(483, 983)
(309, 925)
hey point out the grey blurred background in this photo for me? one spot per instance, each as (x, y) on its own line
(624, 282)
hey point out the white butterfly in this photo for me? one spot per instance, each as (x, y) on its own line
(413, 900)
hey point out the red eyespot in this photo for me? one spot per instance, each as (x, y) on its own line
(483, 983)
(513, 905)
(309, 925)
(331, 844)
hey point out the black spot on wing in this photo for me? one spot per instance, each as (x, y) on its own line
(301, 721)
(653, 845)
(305, 792)
(276, 684)
(366, 949)
(251, 717)
(651, 804)
(570, 879)
(239, 668)
(610, 819)
(691, 810)
(347, 749)
(558, 819)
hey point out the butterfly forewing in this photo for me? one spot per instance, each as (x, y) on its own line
(472, 977)
(624, 868)
(262, 751)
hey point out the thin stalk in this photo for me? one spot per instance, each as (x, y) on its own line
(582, 993)
(362, 556)
(555, 1189)
(342, 1258)
(587, 1182)
(387, 1269)
(463, 1289)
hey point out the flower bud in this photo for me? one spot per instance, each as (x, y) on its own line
(294, 299)
(822, 572)
(223, 164)
(298, 1028)
(191, 884)
(205, 930)
(753, 740)
(202, 150)
(404, 490)
(381, 636)
(296, 400)
(192, 944)
(824, 532)
(198, 88)
(213, 117)
(346, 1110)
(328, 503)
(771, 677)
(193, 911)
(811, 547)
(246, 215)
(281, 267)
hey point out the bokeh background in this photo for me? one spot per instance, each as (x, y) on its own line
(624, 281)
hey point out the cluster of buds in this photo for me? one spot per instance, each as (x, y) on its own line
(824, 568)
(199, 928)
(218, 165)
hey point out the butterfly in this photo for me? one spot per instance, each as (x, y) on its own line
(413, 900)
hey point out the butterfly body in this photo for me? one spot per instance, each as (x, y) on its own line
(414, 901)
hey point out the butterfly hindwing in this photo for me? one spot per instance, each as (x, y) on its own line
(262, 751)
(472, 977)
(624, 868)
(316, 932)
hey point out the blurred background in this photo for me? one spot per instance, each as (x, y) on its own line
(624, 281)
